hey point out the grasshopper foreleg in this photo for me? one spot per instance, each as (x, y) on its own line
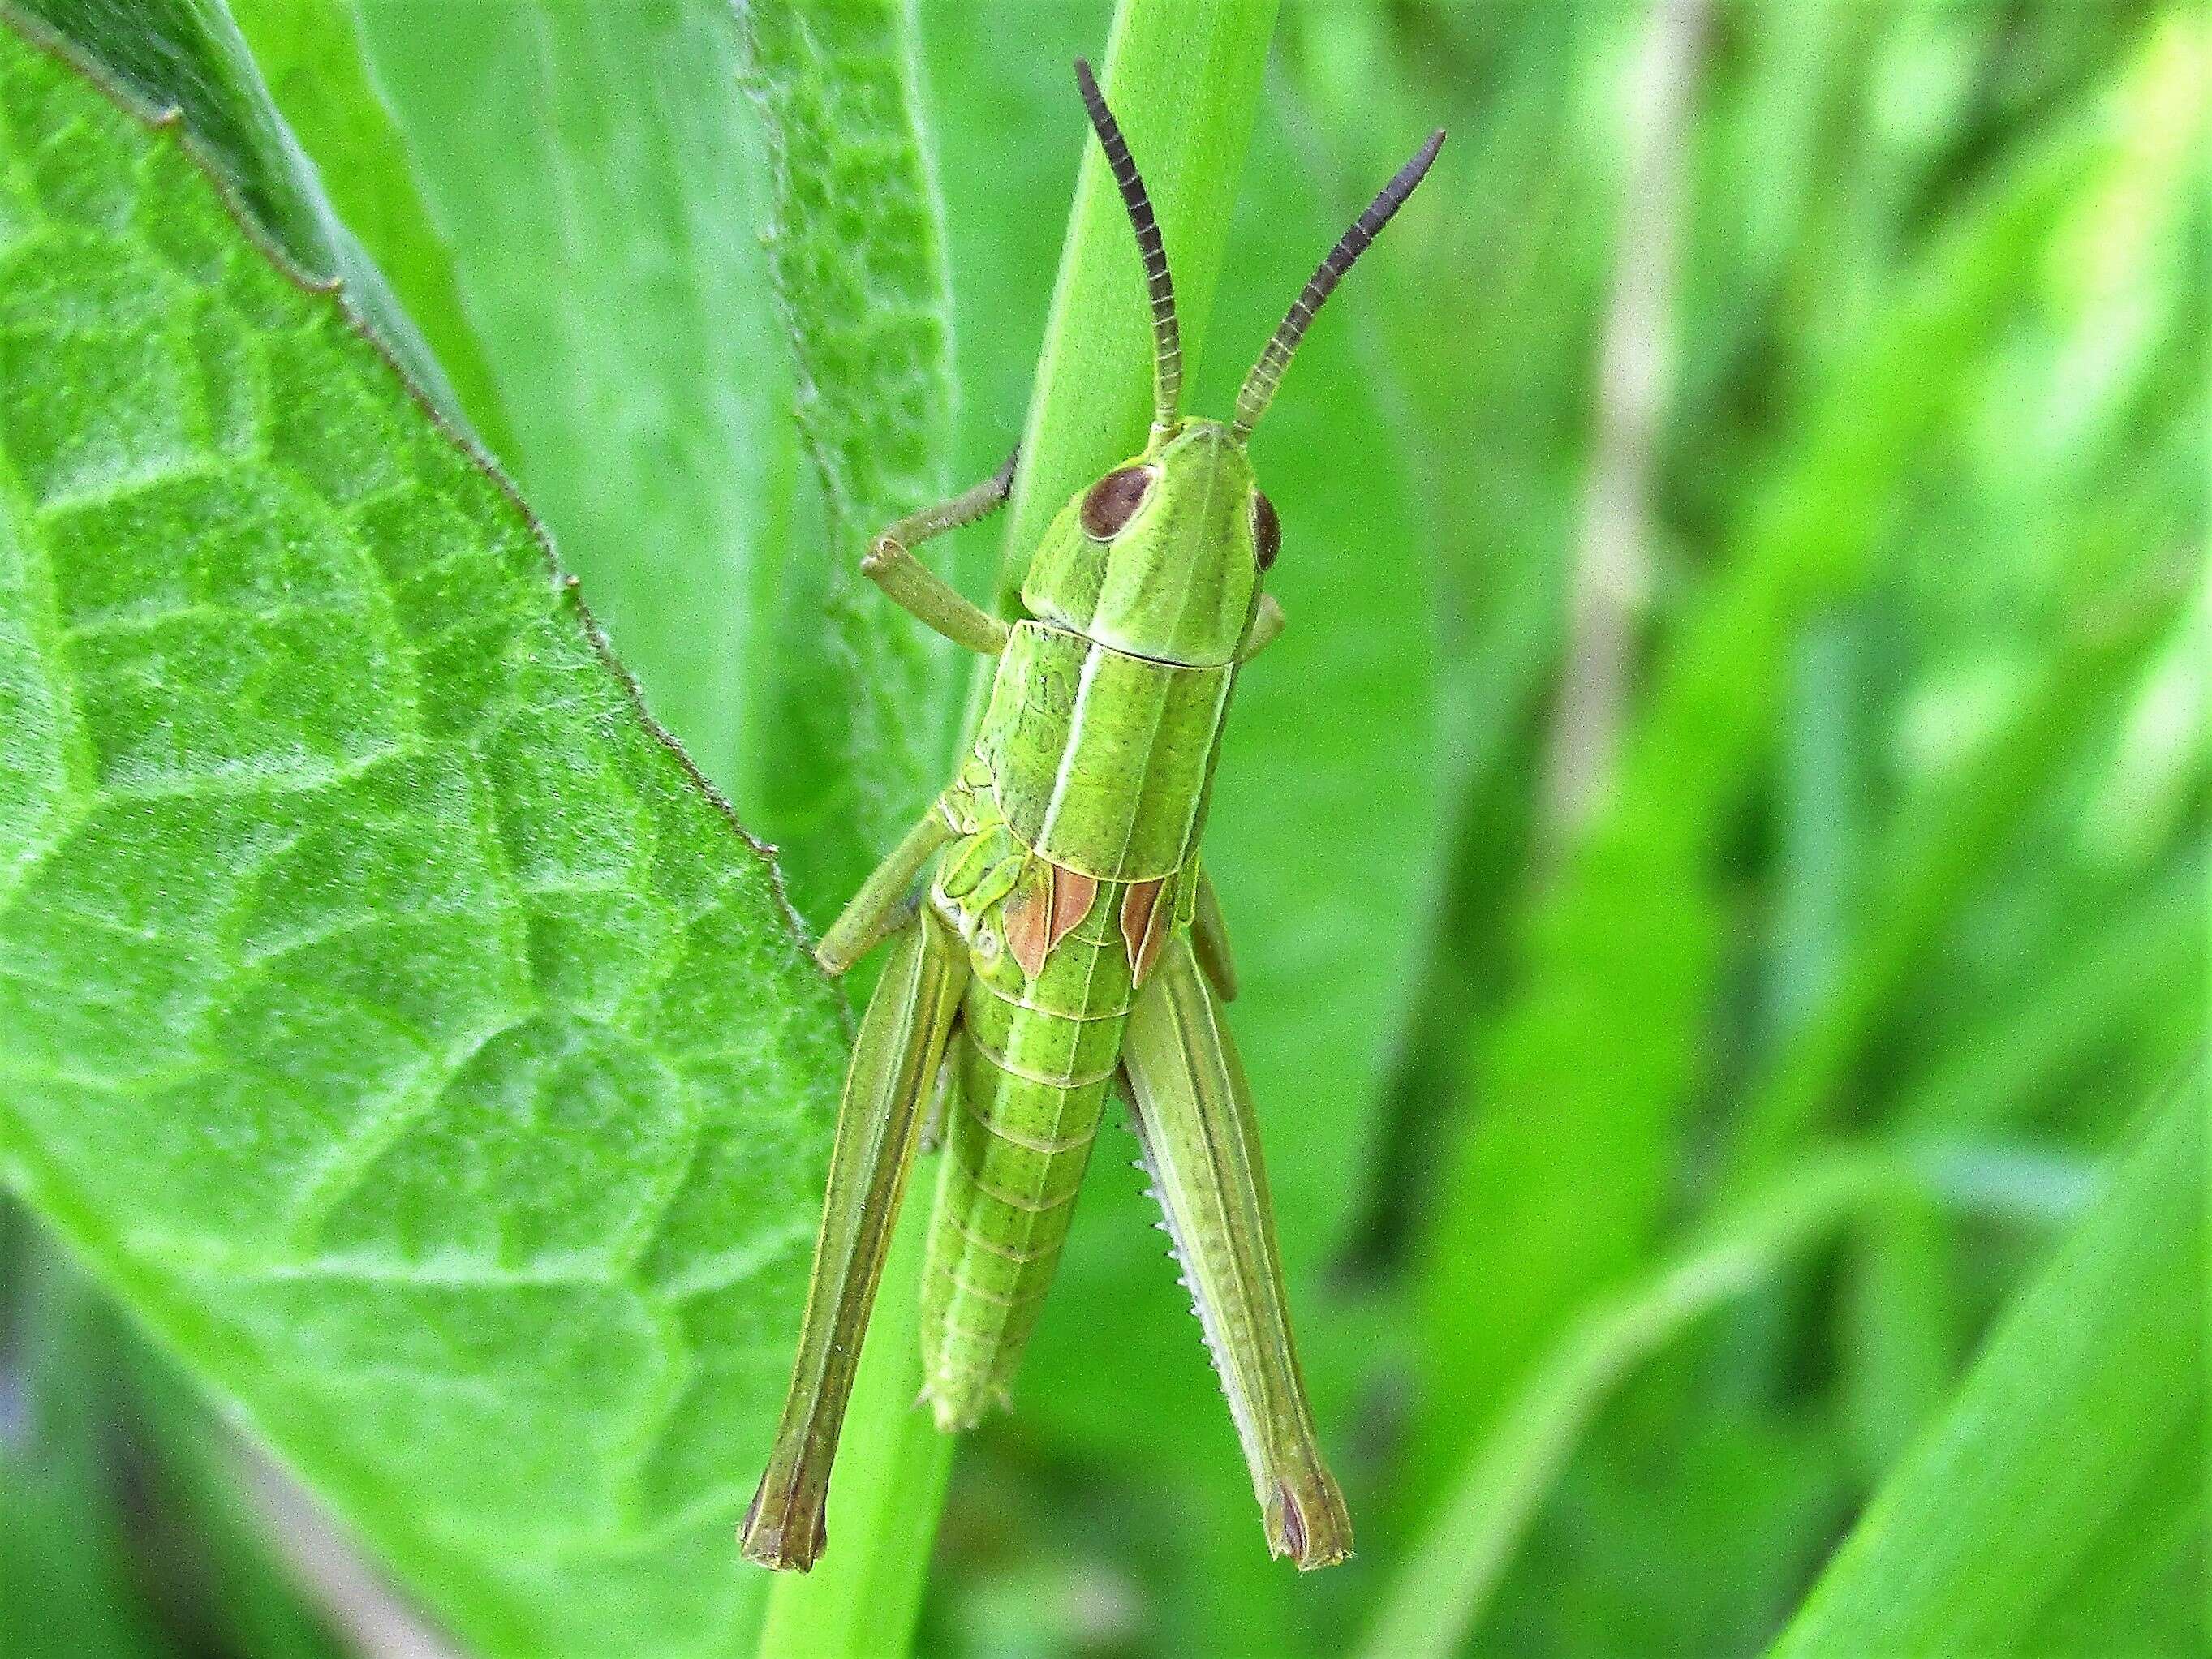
(1193, 1114)
(890, 565)
(895, 1065)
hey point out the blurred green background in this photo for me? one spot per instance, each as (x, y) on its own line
(1718, 857)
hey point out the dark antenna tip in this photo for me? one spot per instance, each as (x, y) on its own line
(1259, 388)
(1160, 288)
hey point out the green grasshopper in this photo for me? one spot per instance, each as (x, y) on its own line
(1069, 942)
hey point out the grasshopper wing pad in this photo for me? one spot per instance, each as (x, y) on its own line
(1192, 1111)
(894, 1071)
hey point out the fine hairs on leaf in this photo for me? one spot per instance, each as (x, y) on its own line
(864, 295)
(2076, 1442)
(381, 1021)
(646, 387)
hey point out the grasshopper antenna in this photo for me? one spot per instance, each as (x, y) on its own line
(1259, 388)
(1167, 337)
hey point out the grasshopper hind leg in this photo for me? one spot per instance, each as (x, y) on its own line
(894, 1067)
(1192, 1112)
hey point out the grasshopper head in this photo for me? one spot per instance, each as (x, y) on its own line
(1162, 556)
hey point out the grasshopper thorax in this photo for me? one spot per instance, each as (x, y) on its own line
(1162, 556)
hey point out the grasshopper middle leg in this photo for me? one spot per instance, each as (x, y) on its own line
(879, 908)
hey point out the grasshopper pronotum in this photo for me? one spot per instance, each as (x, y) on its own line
(1069, 942)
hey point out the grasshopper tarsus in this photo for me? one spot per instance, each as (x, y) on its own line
(1314, 1531)
(779, 1545)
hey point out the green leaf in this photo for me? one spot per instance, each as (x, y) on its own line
(856, 246)
(2058, 1506)
(603, 187)
(387, 1016)
(189, 57)
(311, 54)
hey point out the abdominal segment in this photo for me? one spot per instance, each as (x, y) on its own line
(1027, 1086)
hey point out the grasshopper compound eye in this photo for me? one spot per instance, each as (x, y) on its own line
(1266, 530)
(1113, 500)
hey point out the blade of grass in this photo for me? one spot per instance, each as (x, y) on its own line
(2069, 1459)
(862, 1598)
(312, 55)
(1439, 1594)
(1900, 1326)
(1184, 82)
(1434, 1601)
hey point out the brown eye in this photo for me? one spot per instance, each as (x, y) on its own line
(1113, 500)
(1266, 530)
